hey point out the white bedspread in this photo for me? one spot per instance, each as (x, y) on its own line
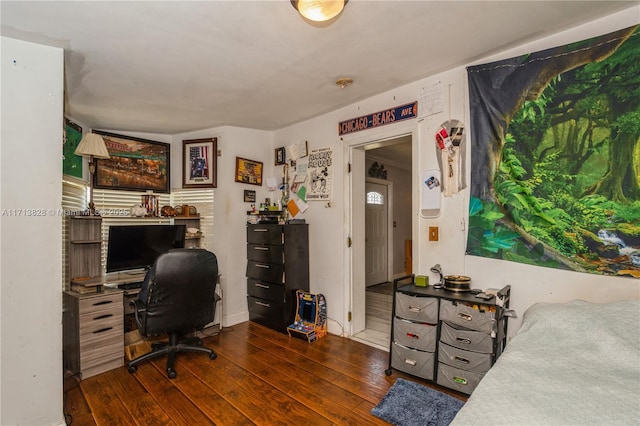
(574, 363)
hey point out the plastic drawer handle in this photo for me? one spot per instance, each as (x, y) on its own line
(460, 380)
(103, 316)
(266, 305)
(463, 340)
(411, 362)
(104, 302)
(465, 316)
(260, 265)
(460, 359)
(102, 330)
(261, 230)
(261, 248)
(413, 336)
(261, 285)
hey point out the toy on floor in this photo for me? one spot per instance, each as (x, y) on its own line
(311, 317)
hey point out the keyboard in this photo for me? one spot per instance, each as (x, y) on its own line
(131, 286)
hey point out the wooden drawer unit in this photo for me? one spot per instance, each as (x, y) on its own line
(452, 338)
(277, 266)
(93, 332)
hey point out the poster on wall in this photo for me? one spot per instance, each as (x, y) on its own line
(319, 174)
(71, 163)
(555, 168)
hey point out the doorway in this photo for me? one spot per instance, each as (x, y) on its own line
(384, 198)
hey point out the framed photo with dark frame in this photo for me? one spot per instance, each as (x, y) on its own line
(281, 156)
(249, 196)
(135, 165)
(200, 163)
(248, 171)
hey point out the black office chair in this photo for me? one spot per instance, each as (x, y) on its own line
(177, 297)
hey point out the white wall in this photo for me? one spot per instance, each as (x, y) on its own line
(229, 240)
(329, 224)
(329, 260)
(31, 244)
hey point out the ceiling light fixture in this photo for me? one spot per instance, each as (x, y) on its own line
(319, 10)
(344, 82)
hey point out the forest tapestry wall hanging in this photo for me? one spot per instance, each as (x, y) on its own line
(555, 177)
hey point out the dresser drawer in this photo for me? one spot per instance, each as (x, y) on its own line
(458, 379)
(420, 309)
(267, 313)
(99, 303)
(271, 272)
(273, 292)
(265, 253)
(466, 316)
(418, 363)
(264, 234)
(95, 323)
(415, 335)
(459, 337)
(466, 360)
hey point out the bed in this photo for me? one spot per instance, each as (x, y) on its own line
(571, 363)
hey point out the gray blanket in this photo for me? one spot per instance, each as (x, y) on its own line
(575, 363)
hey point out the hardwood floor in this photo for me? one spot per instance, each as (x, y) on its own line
(260, 377)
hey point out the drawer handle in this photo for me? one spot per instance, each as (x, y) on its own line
(460, 359)
(261, 230)
(460, 380)
(413, 336)
(411, 362)
(465, 316)
(415, 308)
(261, 248)
(104, 302)
(103, 316)
(261, 285)
(463, 340)
(260, 265)
(266, 305)
(102, 330)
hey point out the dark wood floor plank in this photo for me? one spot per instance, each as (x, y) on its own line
(76, 409)
(106, 405)
(144, 409)
(260, 377)
(178, 407)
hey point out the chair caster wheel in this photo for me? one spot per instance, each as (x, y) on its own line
(132, 369)
(213, 355)
(171, 374)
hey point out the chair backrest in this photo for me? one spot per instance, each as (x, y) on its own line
(181, 293)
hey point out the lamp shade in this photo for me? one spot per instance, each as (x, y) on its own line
(319, 10)
(92, 145)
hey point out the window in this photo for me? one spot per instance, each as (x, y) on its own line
(374, 197)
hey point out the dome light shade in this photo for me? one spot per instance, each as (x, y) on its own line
(319, 10)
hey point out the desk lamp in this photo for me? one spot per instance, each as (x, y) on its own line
(92, 146)
(437, 269)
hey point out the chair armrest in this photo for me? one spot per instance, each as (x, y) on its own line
(139, 310)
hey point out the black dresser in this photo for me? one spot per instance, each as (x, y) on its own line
(277, 266)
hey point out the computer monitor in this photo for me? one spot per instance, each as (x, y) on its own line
(133, 247)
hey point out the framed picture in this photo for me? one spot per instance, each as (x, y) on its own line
(135, 164)
(281, 156)
(200, 163)
(249, 196)
(71, 163)
(248, 171)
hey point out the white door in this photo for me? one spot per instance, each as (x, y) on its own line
(376, 233)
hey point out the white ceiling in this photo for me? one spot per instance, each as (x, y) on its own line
(176, 66)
